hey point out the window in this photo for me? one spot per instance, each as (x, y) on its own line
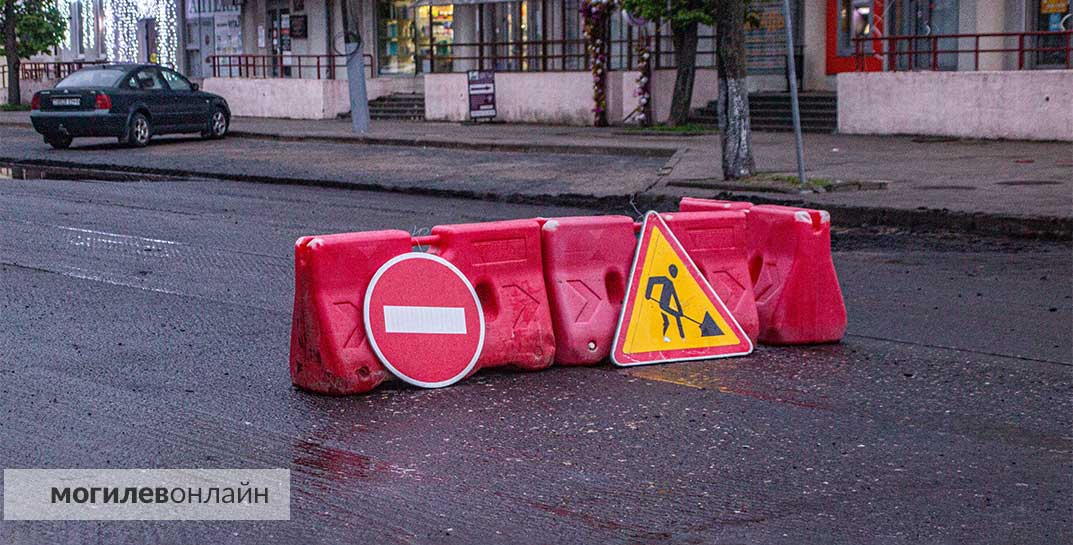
(92, 77)
(175, 81)
(149, 80)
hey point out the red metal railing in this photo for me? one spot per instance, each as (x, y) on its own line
(923, 51)
(513, 56)
(281, 66)
(34, 70)
(570, 55)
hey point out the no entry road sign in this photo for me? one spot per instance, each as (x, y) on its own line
(424, 320)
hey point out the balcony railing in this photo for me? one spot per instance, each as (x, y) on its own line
(281, 66)
(1044, 49)
(40, 71)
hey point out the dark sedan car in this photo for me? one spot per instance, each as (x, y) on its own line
(132, 102)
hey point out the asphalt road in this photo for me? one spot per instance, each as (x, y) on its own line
(146, 324)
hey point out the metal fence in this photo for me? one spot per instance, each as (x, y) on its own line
(1044, 49)
(41, 71)
(281, 66)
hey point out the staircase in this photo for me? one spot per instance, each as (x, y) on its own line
(771, 112)
(407, 107)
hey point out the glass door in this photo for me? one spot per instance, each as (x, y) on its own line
(926, 18)
(279, 21)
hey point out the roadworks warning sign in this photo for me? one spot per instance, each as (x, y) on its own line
(671, 313)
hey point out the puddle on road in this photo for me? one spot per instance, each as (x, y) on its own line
(29, 172)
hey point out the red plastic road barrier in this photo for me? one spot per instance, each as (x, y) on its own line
(587, 262)
(691, 204)
(718, 244)
(798, 298)
(586, 265)
(330, 353)
(502, 260)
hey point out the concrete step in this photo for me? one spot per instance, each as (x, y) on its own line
(409, 106)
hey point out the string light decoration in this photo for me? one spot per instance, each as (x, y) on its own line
(107, 29)
(89, 24)
(65, 11)
(125, 33)
(119, 27)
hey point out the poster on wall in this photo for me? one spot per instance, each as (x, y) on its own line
(299, 27)
(285, 39)
(1053, 6)
(765, 43)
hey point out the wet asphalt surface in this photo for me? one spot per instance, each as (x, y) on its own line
(146, 324)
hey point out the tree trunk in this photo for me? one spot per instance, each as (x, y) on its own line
(14, 94)
(684, 38)
(734, 131)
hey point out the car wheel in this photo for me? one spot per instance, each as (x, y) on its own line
(59, 142)
(139, 131)
(218, 125)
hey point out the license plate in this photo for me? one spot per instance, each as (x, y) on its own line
(73, 101)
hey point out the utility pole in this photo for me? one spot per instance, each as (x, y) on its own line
(355, 66)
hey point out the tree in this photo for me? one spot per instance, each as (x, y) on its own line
(734, 132)
(684, 16)
(30, 27)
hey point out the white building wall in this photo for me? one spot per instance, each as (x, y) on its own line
(1013, 104)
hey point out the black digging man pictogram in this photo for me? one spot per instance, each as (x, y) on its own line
(667, 295)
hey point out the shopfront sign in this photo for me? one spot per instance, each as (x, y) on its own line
(482, 94)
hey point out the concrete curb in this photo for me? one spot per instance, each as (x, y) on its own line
(517, 147)
(920, 219)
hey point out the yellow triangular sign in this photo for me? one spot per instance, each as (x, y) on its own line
(671, 312)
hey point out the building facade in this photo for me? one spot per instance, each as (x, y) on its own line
(287, 51)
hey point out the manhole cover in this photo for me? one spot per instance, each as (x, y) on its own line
(946, 187)
(1029, 182)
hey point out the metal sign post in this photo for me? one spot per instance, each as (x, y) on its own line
(795, 109)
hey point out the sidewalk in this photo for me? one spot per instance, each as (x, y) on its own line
(975, 185)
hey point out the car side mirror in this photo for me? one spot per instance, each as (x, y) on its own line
(195, 86)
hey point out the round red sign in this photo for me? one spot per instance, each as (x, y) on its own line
(424, 320)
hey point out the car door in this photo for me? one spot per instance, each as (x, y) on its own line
(153, 93)
(191, 112)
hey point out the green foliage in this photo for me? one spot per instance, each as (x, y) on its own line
(676, 12)
(684, 11)
(39, 26)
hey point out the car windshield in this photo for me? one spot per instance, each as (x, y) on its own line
(93, 77)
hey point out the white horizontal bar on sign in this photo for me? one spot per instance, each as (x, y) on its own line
(433, 320)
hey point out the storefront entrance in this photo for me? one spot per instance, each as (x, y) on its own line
(410, 37)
